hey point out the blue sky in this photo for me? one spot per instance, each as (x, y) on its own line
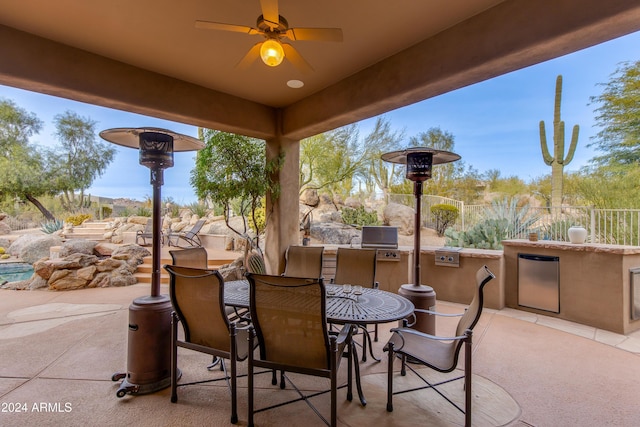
(494, 123)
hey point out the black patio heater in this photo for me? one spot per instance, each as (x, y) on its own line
(149, 339)
(419, 161)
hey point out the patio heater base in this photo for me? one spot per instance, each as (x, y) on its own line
(149, 347)
(422, 297)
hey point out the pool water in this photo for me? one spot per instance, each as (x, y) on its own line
(15, 271)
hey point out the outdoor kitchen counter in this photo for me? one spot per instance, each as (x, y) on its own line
(391, 274)
(454, 284)
(457, 282)
(594, 281)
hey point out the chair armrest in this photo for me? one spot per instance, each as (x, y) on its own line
(410, 331)
(437, 313)
(345, 334)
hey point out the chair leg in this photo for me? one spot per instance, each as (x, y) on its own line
(233, 356)
(390, 378)
(334, 398)
(467, 379)
(250, 381)
(349, 371)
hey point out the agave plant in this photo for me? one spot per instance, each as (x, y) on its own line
(52, 226)
(502, 220)
(518, 219)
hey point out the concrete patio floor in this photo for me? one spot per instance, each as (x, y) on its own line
(58, 351)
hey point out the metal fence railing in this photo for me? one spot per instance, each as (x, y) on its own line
(611, 226)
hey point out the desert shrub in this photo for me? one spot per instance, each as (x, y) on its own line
(198, 209)
(445, 215)
(143, 211)
(487, 234)
(77, 219)
(359, 216)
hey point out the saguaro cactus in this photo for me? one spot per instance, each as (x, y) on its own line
(558, 161)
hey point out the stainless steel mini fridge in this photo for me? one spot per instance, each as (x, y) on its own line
(539, 282)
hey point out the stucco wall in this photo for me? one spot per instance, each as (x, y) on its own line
(594, 281)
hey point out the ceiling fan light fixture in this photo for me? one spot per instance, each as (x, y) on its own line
(272, 52)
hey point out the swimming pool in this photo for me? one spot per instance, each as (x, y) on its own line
(15, 271)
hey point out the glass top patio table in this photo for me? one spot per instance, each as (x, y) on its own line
(373, 306)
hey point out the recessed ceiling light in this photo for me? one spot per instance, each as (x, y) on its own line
(295, 84)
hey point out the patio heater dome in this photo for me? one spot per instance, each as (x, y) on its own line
(149, 345)
(419, 162)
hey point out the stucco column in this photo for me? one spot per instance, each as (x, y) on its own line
(283, 227)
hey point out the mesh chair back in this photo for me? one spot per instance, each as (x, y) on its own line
(288, 314)
(356, 267)
(192, 257)
(195, 229)
(197, 296)
(303, 261)
(471, 316)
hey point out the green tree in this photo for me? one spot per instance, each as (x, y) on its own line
(232, 170)
(618, 116)
(620, 192)
(81, 159)
(25, 173)
(330, 161)
(378, 173)
(540, 187)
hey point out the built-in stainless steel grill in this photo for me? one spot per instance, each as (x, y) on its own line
(382, 238)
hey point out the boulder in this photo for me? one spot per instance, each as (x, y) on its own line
(74, 246)
(401, 216)
(352, 202)
(131, 251)
(310, 197)
(32, 247)
(103, 249)
(332, 233)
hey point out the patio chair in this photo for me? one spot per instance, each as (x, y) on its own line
(147, 233)
(190, 237)
(303, 261)
(439, 353)
(198, 258)
(190, 257)
(358, 267)
(289, 320)
(197, 296)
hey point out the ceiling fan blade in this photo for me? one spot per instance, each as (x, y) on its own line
(250, 57)
(317, 34)
(270, 11)
(296, 59)
(207, 25)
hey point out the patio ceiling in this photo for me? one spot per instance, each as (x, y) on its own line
(146, 56)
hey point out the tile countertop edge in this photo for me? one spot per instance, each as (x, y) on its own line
(464, 252)
(567, 246)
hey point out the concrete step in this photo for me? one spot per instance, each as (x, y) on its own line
(90, 230)
(143, 272)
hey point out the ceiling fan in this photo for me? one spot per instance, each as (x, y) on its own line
(274, 28)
